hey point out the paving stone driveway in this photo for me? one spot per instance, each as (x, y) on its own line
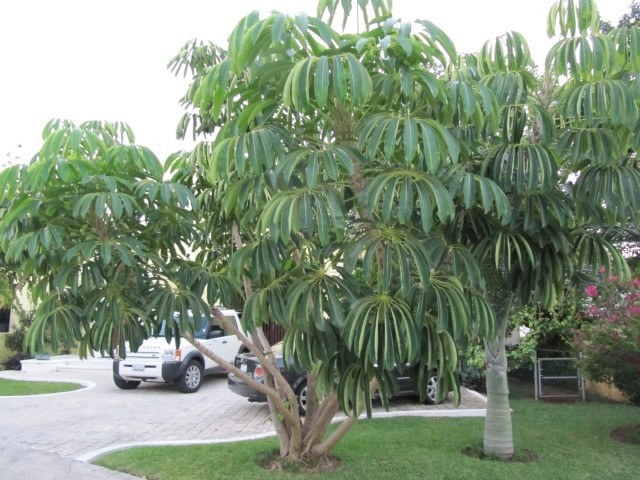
(77, 425)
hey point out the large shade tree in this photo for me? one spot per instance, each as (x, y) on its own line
(322, 192)
(514, 209)
(565, 159)
(368, 191)
(329, 161)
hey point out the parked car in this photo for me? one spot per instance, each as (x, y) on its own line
(298, 381)
(160, 361)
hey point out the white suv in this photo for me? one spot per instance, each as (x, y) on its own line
(160, 361)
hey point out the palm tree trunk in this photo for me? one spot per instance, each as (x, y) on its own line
(498, 433)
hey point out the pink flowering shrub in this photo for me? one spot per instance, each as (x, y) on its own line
(609, 339)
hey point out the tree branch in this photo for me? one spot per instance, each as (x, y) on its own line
(328, 409)
(324, 448)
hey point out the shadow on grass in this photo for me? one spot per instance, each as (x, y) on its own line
(628, 434)
(520, 456)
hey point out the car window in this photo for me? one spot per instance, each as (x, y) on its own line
(200, 331)
(202, 327)
(217, 325)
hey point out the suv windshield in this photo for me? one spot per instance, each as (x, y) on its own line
(201, 326)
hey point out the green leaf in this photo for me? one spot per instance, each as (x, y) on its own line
(390, 138)
(25, 206)
(321, 81)
(431, 147)
(360, 81)
(339, 80)
(410, 139)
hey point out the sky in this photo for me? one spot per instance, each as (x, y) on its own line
(89, 60)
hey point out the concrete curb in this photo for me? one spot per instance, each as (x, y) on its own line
(477, 395)
(55, 450)
(90, 456)
(88, 385)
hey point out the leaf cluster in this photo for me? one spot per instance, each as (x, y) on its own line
(99, 237)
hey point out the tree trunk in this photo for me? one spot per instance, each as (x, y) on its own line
(498, 433)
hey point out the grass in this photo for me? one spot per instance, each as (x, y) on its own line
(571, 441)
(11, 388)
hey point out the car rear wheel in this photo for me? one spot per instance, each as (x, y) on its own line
(191, 379)
(125, 384)
(432, 389)
(301, 394)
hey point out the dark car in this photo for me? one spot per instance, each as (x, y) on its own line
(298, 381)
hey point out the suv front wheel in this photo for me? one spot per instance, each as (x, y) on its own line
(191, 379)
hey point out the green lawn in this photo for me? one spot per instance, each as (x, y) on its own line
(571, 440)
(9, 388)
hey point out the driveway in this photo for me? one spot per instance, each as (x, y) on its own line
(51, 437)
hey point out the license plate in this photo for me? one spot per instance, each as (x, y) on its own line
(138, 368)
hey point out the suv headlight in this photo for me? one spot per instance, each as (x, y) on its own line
(172, 355)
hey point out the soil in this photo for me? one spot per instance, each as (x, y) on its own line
(273, 461)
(520, 456)
(627, 434)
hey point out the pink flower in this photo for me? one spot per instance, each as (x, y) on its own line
(612, 318)
(602, 270)
(633, 310)
(593, 311)
(613, 278)
(591, 291)
(636, 282)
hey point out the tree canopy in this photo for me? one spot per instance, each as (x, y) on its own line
(378, 194)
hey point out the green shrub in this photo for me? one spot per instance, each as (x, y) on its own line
(549, 333)
(609, 340)
(15, 342)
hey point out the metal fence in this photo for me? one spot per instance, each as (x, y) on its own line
(558, 378)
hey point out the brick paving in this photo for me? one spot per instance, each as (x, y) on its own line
(65, 430)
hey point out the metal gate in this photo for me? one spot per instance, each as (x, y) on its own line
(558, 378)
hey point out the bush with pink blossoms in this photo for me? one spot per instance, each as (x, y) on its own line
(609, 340)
